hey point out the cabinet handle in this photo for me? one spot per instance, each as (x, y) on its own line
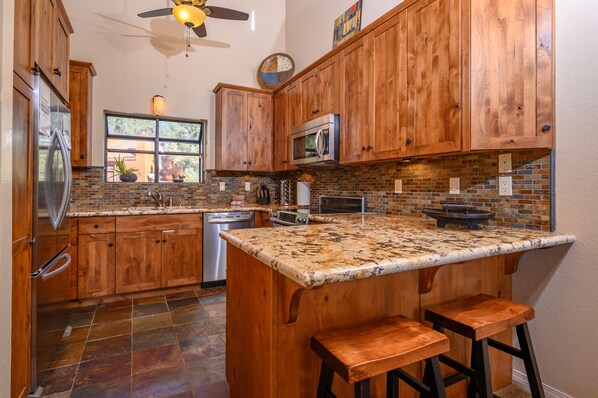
(363, 148)
(110, 244)
(158, 241)
(370, 148)
(96, 226)
(57, 72)
(546, 128)
(164, 241)
(409, 142)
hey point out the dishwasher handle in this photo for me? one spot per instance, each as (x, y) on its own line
(229, 220)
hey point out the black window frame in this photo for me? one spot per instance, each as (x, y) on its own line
(156, 139)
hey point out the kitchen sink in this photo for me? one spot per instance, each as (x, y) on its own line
(167, 208)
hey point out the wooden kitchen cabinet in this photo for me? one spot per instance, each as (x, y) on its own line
(181, 257)
(295, 110)
(23, 51)
(138, 261)
(512, 89)
(96, 265)
(282, 132)
(81, 105)
(244, 123)
(51, 32)
(320, 90)
(434, 78)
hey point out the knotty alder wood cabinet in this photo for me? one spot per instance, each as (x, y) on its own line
(319, 90)
(80, 104)
(135, 253)
(244, 125)
(282, 132)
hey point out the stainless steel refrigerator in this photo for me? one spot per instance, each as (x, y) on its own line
(51, 230)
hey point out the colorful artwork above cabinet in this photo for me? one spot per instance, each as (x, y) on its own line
(348, 24)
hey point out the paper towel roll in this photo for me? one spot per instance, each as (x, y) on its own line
(303, 193)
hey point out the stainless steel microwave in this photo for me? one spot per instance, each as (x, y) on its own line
(315, 143)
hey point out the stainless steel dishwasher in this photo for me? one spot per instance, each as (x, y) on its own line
(214, 247)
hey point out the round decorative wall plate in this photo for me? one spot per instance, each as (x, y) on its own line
(275, 70)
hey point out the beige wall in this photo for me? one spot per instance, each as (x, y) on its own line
(565, 296)
(136, 59)
(6, 56)
(310, 23)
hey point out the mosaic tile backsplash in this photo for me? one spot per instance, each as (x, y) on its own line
(425, 184)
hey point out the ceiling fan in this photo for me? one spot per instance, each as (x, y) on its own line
(193, 13)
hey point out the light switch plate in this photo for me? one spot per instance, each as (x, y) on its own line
(223, 186)
(505, 185)
(248, 186)
(455, 188)
(505, 163)
(399, 186)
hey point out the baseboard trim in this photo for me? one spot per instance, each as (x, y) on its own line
(520, 380)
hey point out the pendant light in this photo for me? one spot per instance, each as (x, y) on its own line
(188, 15)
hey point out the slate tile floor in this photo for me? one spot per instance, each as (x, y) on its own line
(158, 347)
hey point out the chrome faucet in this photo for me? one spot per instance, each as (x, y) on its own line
(156, 196)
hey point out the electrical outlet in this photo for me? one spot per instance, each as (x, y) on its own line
(248, 186)
(223, 186)
(505, 186)
(455, 186)
(505, 163)
(398, 186)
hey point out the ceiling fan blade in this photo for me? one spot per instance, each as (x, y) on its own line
(227, 13)
(156, 13)
(201, 30)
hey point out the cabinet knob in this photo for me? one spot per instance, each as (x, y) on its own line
(96, 226)
(370, 148)
(81, 156)
(244, 162)
(284, 162)
(57, 72)
(546, 128)
(164, 241)
(457, 107)
(249, 162)
(110, 244)
(159, 241)
(363, 148)
(409, 141)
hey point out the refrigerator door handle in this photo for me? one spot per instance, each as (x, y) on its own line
(68, 178)
(47, 274)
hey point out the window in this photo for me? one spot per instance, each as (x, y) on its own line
(160, 149)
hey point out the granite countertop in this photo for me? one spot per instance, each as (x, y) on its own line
(361, 246)
(146, 211)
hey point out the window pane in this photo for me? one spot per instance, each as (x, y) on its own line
(131, 126)
(179, 147)
(180, 130)
(144, 163)
(130, 145)
(187, 166)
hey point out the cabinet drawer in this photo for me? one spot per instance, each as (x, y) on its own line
(158, 222)
(96, 225)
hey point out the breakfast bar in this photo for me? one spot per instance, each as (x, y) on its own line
(345, 270)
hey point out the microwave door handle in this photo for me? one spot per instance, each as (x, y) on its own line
(319, 137)
(62, 268)
(68, 178)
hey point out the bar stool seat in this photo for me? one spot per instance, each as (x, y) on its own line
(359, 353)
(478, 318)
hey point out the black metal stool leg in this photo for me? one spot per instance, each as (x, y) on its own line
(472, 387)
(529, 359)
(325, 384)
(362, 389)
(483, 369)
(435, 381)
(392, 386)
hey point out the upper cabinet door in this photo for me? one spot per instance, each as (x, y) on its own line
(511, 96)
(60, 66)
(259, 139)
(328, 78)
(231, 130)
(389, 74)
(281, 131)
(295, 105)
(44, 21)
(355, 103)
(23, 57)
(310, 96)
(434, 78)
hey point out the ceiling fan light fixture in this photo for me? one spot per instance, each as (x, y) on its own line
(188, 15)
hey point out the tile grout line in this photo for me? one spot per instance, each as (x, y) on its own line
(82, 352)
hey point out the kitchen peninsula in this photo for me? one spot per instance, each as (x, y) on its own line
(283, 288)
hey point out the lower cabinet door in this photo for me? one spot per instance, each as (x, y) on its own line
(96, 266)
(181, 257)
(138, 263)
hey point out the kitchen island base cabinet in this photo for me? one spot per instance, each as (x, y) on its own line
(270, 321)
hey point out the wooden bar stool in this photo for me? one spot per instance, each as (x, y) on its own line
(478, 318)
(359, 353)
